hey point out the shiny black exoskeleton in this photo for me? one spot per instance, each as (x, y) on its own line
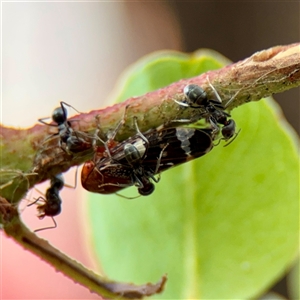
(214, 112)
(50, 205)
(52, 201)
(69, 139)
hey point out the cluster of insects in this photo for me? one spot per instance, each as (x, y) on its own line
(139, 160)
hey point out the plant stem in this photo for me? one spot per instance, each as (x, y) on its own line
(29, 156)
(15, 229)
(263, 74)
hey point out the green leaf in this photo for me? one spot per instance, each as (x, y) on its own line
(162, 68)
(224, 226)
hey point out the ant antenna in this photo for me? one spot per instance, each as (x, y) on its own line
(48, 227)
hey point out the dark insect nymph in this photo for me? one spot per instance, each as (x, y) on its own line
(138, 159)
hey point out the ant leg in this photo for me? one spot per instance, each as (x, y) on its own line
(218, 96)
(64, 110)
(98, 132)
(45, 123)
(214, 90)
(65, 114)
(159, 160)
(231, 99)
(181, 103)
(150, 174)
(214, 126)
(139, 132)
(233, 138)
(63, 104)
(111, 136)
(121, 123)
(75, 185)
(49, 227)
(36, 200)
(128, 198)
(137, 181)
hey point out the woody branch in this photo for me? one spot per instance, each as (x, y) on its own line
(263, 74)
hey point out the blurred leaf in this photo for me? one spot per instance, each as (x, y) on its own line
(223, 226)
(14, 184)
(162, 68)
(272, 296)
(293, 281)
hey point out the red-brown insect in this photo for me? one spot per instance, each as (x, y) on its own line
(138, 159)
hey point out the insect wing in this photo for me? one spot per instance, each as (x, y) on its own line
(174, 146)
(105, 178)
(158, 151)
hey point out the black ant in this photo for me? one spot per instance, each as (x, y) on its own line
(52, 201)
(73, 143)
(214, 112)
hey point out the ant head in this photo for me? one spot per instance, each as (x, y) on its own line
(59, 115)
(195, 94)
(147, 189)
(228, 130)
(49, 209)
